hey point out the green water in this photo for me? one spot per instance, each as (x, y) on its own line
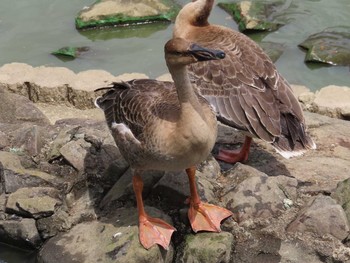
(30, 30)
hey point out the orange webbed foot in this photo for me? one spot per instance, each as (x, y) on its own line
(154, 231)
(207, 217)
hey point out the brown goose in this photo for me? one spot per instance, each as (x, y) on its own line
(165, 126)
(245, 89)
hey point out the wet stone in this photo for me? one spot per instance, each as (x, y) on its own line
(115, 12)
(254, 15)
(330, 46)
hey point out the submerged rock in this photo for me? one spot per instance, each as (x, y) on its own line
(72, 52)
(331, 46)
(273, 50)
(120, 12)
(253, 15)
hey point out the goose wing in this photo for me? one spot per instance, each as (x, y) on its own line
(245, 88)
(138, 103)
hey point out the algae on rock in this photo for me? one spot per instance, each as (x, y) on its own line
(121, 12)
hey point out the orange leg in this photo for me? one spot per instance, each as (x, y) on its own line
(234, 156)
(151, 230)
(203, 216)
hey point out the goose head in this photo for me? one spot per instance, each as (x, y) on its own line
(180, 52)
(195, 13)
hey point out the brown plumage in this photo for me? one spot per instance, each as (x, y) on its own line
(165, 126)
(245, 88)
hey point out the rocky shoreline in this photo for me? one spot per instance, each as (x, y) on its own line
(66, 191)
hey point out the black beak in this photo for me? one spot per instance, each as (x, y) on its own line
(203, 54)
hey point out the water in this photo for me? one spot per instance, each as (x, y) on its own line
(30, 30)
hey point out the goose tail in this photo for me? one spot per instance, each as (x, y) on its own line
(294, 140)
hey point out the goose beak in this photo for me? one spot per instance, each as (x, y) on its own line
(203, 54)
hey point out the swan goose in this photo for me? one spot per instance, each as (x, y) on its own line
(165, 126)
(245, 89)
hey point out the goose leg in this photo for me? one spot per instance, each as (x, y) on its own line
(234, 156)
(203, 216)
(151, 230)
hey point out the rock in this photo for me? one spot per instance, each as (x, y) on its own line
(293, 252)
(251, 194)
(4, 140)
(116, 12)
(333, 101)
(13, 176)
(207, 247)
(331, 46)
(64, 136)
(322, 216)
(30, 139)
(21, 233)
(18, 109)
(109, 240)
(123, 188)
(60, 221)
(34, 202)
(75, 152)
(251, 15)
(342, 195)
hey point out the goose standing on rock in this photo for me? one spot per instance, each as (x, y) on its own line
(165, 126)
(245, 88)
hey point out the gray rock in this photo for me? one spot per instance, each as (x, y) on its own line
(13, 176)
(123, 188)
(207, 247)
(18, 109)
(342, 196)
(30, 139)
(330, 46)
(293, 252)
(322, 216)
(60, 221)
(4, 140)
(172, 188)
(21, 232)
(251, 194)
(333, 101)
(34, 202)
(64, 136)
(109, 240)
(75, 152)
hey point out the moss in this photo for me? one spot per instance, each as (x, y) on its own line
(120, 19)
